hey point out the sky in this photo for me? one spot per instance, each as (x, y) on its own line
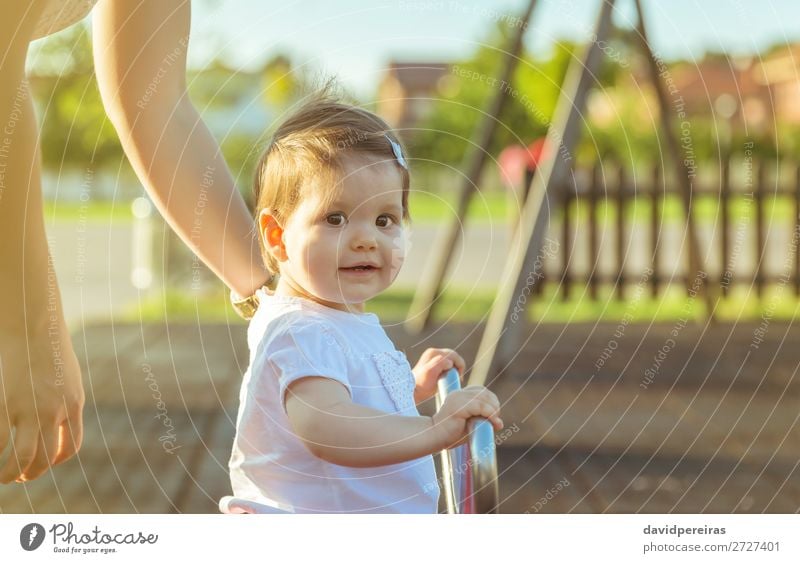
(356, 39)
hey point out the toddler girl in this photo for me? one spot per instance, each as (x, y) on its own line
(327, 419)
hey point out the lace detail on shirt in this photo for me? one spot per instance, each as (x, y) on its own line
(397, 378)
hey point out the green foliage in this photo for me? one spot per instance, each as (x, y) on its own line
(532, 97)
(280, 83)
(461, 305)
(472, 85)
(241, 153)
(75, 129)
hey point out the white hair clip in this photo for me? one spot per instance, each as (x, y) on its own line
(398, 152)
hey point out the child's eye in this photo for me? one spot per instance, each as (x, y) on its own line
(385, 220)
(335, 219)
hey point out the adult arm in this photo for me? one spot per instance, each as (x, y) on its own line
(41, 393)
(140, 59)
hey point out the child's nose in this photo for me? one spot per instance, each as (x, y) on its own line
(364, 243)
(364, 239)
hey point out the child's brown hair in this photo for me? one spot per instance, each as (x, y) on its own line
(313, 143)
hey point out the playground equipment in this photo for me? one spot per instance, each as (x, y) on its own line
(469, 472)
(502, 337)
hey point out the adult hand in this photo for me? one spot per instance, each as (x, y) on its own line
(42, 401)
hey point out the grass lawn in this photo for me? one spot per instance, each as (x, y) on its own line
(494, 207)
(485, 208)
(392, 306)
(92, 211)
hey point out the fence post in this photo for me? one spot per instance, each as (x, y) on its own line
(594, 253)
(142, 244)
(759, 195)
(566, 248)
(725, 199)
(620, 242)
(655, 229)
(796, 230)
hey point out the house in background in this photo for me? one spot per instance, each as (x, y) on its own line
(757, 94)
(408, 91)
(780, 72)
(727, 88)
(230, 100)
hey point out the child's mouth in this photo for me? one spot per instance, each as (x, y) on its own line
(362, 269)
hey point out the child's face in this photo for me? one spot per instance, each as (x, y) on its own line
(363, 225)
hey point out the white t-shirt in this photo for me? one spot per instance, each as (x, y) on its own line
(290, 338)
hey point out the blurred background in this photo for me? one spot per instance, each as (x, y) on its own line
(679, 414)
(430, 69)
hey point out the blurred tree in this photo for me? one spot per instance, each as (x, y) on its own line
(75, 130)
(532, 95)
(280, 83)
(468, 91)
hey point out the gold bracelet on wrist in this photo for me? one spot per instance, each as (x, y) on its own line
(246, 307)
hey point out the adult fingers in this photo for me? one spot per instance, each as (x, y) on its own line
(70, 438)
(22, 453)
(45, 454)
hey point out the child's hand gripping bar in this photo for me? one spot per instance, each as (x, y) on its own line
(469, 471)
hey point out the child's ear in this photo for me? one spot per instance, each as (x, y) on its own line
(271, 233)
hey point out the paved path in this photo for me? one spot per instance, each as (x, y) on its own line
(93, 265)
(94, 260)
(715, 431)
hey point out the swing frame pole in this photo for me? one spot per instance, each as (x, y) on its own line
(501, 337)
(427, 296)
